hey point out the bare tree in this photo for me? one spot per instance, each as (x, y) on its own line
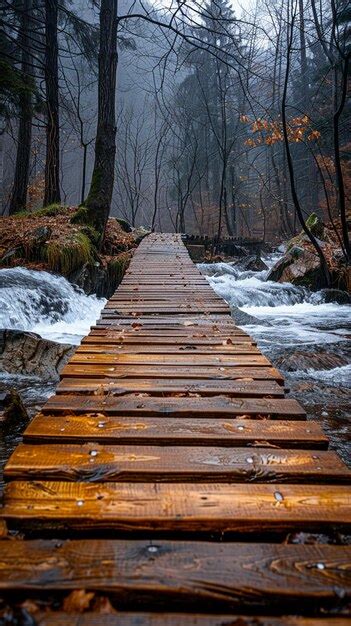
(52, 163)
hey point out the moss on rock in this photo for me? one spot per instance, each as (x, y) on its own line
(81, 216)
(315, 225)
(75, 252)
(116, 268)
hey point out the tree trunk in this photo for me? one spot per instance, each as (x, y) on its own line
(18, 200)
(99, 198)
(52, 164)
(84, 172)
(341, 201)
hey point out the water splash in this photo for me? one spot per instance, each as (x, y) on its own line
(46, 304)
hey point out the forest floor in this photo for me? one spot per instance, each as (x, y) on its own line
(54, 239)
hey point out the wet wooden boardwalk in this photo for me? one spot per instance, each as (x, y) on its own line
(171, 479)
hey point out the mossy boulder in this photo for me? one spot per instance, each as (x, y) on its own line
(139, 233)
(64, 258)
(81, 216)
(101, 279)
(315, 225)
(298, 266)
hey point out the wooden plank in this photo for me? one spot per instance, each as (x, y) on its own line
(132, 297)
(173, 359)
(179, 574)
(217, 406)
(160, 321)
(180, 304)
(187, 348)
(173, 340)
(180, 619)
(155, 310)
(151, 431)
(177, 508)
(185, 386)
(165, 280)
(137, 331)
(150, 291)
(182, 300)
(107, 463)
(159, 371)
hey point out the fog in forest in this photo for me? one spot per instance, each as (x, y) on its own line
(200, 143)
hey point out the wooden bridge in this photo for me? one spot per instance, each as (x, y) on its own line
(169, 477)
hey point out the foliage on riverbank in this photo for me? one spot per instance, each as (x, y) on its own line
(55, 239)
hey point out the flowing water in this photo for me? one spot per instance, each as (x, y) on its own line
(50, 306)
(306, 337)
(46, 304)
(303, 335)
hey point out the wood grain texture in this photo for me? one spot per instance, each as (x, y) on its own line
(136, 331)
(254, 359)
(186, 386)
(175, 432)
(196, 321)
(141, 404)
(174, 574)
(159, 371)
(169, 423)
(186, 348)
(99, 463)
(130, 337)
(158, 508)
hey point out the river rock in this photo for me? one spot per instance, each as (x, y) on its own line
(298, 266)
(303, 360)
(252, 264)
(139, 233)
(123, 224)
(336, 295)
(27, 353)
(93, 279)
(12, 408)
(40, 235)
(244, 319)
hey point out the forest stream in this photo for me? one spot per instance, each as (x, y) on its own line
(303, 335)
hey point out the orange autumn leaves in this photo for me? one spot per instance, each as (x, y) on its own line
(270, 132)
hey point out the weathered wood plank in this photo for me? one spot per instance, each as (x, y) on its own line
(229, 456)
(96, 462)
(159, 371)
(214, 406)
(182, 386)
(137, 339)
(110, 312)
(195, 321)
(173, 574)
(137, 331)
(187, 348)
(254, 359)
(169, 431)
